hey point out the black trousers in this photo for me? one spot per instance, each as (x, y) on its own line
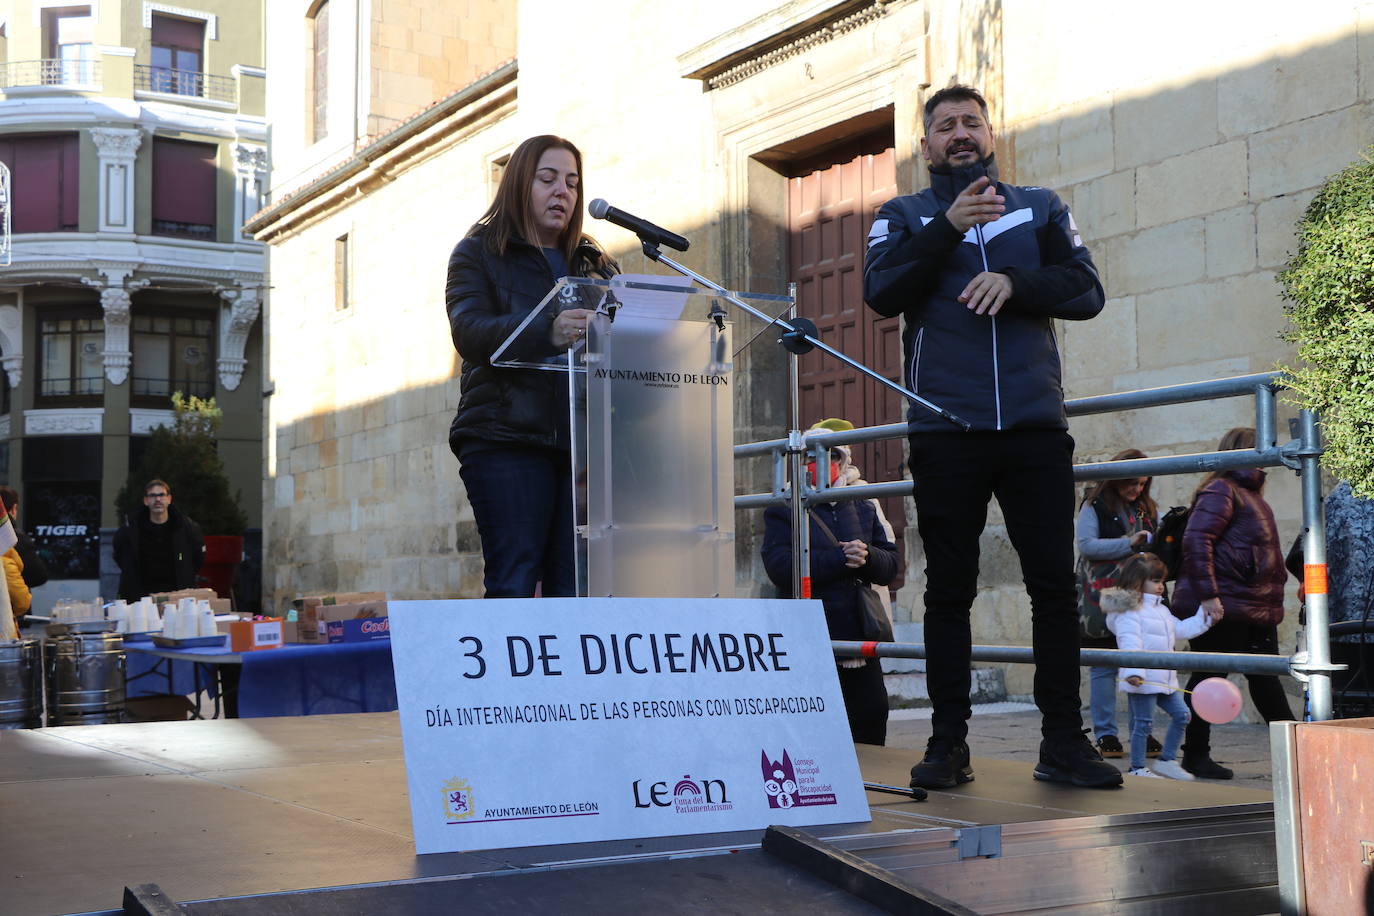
(865, 702)
(1236, 635)
(1030, 472)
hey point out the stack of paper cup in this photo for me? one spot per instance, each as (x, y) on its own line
(143, 616)
(171, 622)
(118, 611)
(188, 624)
(206, 618)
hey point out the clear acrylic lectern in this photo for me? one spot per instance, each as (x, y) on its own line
(650, 408)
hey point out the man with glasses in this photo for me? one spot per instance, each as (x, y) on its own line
(160, 549)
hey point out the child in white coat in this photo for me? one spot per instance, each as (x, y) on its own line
(1141, 622)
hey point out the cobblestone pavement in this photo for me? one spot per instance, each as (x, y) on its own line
(1016, 736)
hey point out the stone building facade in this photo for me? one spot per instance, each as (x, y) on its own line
(136, 138)
(1187, 139)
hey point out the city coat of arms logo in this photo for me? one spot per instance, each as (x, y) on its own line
(457, 801)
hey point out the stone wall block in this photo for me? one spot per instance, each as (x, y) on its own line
(1157, 258)
(1085, 143)
(1238, 316)
(1204, 181)
(1161, 123)
(1277, 227)
(1231, 243)
(1304, 154)
(1104, 206)
(1037, 152)
(1365, 49)
(1104, 346)
(1288, 86)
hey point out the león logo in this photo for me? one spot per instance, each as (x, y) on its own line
(688, 795)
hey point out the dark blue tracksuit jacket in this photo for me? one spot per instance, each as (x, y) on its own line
(1001, 372)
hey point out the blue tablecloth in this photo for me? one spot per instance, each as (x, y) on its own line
(295, 680)
(141, 680)
(301, 680)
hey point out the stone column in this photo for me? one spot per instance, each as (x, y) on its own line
(244, 305)
(117, 150)
(12, 342)
(114, 300)
(250, 182)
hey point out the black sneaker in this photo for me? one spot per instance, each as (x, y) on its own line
(1075, 760)
(944, 766)
(1109, 746)
(1152, 747)
(1204, 767)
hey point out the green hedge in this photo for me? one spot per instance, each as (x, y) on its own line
(1329, 285)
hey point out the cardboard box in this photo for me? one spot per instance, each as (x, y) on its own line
(359, 629)
(252, 635)
(289, 632)
(217, 604)
(206, 593)
(314, 613)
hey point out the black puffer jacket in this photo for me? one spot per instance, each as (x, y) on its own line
(487, 296)
(999, 372)
(1231, 551)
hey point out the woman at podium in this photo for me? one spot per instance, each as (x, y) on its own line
(511, 434)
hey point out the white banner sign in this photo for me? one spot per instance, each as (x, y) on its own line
(564, 720)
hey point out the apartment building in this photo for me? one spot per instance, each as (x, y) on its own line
(136, 139)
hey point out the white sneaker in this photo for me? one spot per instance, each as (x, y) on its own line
(1144, 771)
(1171, 769)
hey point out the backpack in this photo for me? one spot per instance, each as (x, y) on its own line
(1168, 540)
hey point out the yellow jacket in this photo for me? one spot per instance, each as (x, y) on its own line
(20, 597)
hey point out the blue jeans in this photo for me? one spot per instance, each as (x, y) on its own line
(1102, 700)
(1142, 718)
(522, 501)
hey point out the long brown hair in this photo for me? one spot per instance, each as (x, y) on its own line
(1234, 439)
(1110, 490)
(509, 215)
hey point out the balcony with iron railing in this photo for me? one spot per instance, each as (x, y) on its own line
(75, 74)
(189, 83)
(144, 388)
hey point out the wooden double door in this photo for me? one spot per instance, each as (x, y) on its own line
(831, 205)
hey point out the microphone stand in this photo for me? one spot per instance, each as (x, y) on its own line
(798, 337)
(799, 334)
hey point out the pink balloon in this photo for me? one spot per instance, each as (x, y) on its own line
(1217, 700)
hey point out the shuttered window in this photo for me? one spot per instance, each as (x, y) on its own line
(184, 188)
(44, 176)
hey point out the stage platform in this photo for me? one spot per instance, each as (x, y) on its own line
(248, 812)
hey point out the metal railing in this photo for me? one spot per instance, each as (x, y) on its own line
(164, 387)
(185, 82)
(50, 71)
(78, 386)
(1311, 666)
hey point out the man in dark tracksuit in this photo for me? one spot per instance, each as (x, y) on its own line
(979, 269)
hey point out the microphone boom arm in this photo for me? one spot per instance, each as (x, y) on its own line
(797, 334)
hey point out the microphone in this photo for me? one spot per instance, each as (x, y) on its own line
(647, 231)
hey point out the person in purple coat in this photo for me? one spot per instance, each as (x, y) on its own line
(1232, 563)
